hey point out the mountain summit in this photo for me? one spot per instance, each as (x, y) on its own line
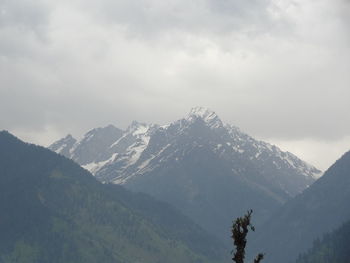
(211, 171)
(207, 115)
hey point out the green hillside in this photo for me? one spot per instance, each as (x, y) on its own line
(52, 210)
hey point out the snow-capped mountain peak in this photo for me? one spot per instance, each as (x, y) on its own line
(68, 137)
(207, 115)
(114, 155)
(138, 128)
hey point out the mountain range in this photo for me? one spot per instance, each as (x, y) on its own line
(211, 171)
(52, 210)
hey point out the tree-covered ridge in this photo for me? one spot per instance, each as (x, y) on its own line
(321, 208)
(52, 210)
(332, 248)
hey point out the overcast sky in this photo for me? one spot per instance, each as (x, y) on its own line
(278, 69)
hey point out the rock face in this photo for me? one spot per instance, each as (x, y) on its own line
(211, 171)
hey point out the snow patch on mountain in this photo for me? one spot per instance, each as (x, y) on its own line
(135, 150)
(93, 167)
(63, 145)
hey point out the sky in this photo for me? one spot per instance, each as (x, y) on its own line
(278, 69)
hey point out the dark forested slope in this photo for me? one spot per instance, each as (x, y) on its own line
(321, 208)
(332, 248)
(52, 210)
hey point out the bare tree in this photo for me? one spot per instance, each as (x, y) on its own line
(240, 230)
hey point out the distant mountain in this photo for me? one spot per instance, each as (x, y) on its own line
(332, 248)
(211, 171)
(94, 147)
(321, 208)
(54, 211)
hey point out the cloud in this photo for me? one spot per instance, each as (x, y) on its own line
(26, 14)
(277, 69)
(149, 18)
(309, 150)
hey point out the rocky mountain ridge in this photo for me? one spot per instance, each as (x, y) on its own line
(116, 156)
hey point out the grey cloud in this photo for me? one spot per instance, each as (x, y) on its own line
(154, 18)
(25, 14)
(23, 23)
(262, 66)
